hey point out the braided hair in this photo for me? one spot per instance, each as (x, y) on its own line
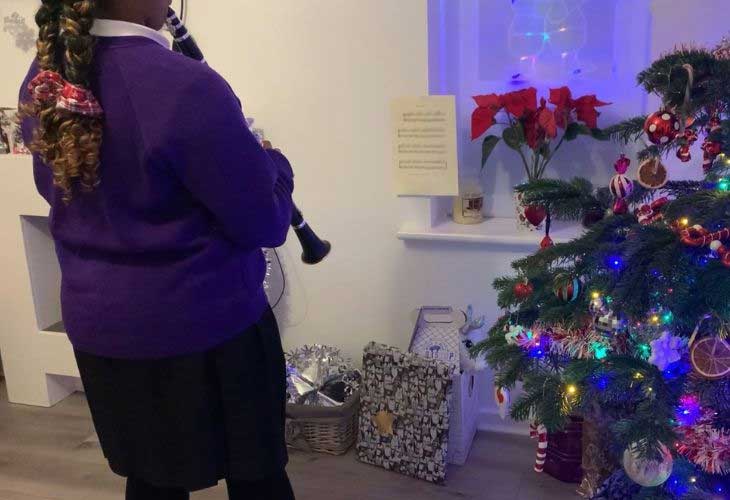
(68, 143)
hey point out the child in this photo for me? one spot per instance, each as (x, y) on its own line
(161, 200)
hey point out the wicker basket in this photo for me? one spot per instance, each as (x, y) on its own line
(323, 429)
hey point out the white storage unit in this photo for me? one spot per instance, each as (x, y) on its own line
(38, 360)
(436, 335)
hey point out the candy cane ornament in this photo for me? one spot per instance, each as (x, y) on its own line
(697, 236)
(539, 431)
(502, 398)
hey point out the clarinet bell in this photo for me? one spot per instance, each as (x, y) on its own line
(314, 249)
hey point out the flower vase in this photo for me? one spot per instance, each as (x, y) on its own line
(523, 218)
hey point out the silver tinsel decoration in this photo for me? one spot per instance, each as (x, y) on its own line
(16, 26)
(269, 266)
(319, 375)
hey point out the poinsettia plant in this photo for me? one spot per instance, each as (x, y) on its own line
(531, 128)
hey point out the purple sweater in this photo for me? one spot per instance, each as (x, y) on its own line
(164, 257)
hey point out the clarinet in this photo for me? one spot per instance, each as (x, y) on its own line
(314, 249)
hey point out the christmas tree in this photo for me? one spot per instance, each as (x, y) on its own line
(626, 325)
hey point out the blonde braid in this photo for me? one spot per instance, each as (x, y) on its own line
(79, 137)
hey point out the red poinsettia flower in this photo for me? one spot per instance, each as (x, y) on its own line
(546, 121)
(483, 117)
(585, 109)
(529, 127)
(563, 101)
(539, 125)
(519, 102)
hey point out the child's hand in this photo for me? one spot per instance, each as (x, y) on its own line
(268, 145)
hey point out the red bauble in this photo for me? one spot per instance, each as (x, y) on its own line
(622, 164)
(621, 186)
(523, 290)
(546, 242)
(620, 206)
(535, 214)
(661, 127)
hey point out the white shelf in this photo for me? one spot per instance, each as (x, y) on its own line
(18, 158)
(494, 231)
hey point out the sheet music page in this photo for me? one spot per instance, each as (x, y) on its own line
(425, 158)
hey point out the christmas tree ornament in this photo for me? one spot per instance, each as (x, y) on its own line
(683, 152)
(513, 333)
(650, 213)
(648, 473)
(698, 236)
(666, 350)
(539, 432)
(661, 127)
(621, 186)
(714, 124)
(710, 357)
(622, 164)
(523, 290)
(620, 206)
(710, 151)
(502, 399)
(546, 242)
(607, 323)
(711, 148)
(652, 174)
(569, 290)
(535, 214)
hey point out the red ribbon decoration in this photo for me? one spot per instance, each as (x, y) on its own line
(698, 236)
(649, 213)
(49, 86)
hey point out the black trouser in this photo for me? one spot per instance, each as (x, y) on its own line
(277, 488)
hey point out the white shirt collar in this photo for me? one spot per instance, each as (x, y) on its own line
(112, 28)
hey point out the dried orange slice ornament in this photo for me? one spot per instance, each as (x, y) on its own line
(652, 174)
(711, 357)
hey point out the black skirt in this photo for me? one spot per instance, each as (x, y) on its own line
(190, 421)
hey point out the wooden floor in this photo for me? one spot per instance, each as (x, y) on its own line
(43, 456)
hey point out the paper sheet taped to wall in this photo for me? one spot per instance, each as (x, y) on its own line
(424, 146)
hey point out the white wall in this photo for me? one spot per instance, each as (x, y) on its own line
(15, 62)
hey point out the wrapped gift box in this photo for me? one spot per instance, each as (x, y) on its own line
(404, 413)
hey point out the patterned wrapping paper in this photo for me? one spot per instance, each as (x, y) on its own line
(411, 395)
